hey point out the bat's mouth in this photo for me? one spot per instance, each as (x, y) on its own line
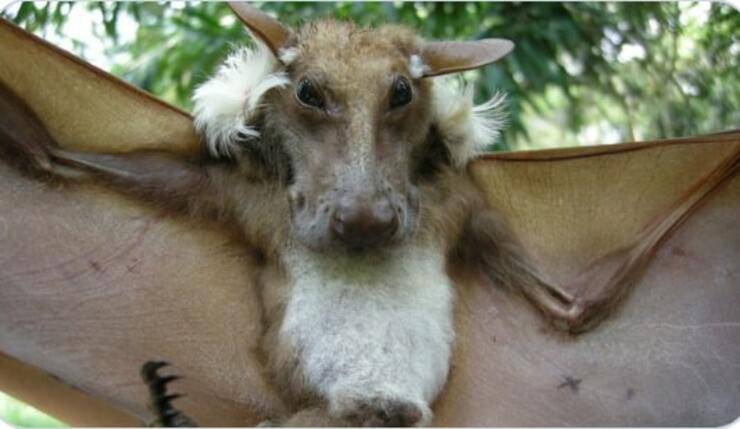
(328, 232)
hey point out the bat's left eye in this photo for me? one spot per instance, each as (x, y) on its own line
(401, 93)
(308, 95)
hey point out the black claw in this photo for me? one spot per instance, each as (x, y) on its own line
(160, 401)
(149, 370)
(169, 378)
(166, 400)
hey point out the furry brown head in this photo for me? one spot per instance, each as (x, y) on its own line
(351, 117)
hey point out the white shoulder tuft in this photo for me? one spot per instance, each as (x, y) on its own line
(466, 129)
(225, 105)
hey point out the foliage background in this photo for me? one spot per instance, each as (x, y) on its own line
(582, 73)
(19, 414)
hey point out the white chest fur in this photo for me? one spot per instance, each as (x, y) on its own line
(380, 328)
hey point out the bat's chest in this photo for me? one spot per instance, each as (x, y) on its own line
(390, 321)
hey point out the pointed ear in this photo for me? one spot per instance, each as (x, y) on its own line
(449, 57)
(263, 26)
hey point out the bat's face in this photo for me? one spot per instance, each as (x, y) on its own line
(351, 121)
(346, 119)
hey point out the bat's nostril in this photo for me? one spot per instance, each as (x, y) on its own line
(360, 224)
(383, 211)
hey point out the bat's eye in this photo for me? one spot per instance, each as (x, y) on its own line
(308, 95)
(401, 93)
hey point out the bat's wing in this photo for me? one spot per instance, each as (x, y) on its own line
(594, 217)
(93, 284)
(84, 107)
(663, 218)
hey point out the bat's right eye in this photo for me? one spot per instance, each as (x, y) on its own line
(401, 93)
(308, 95)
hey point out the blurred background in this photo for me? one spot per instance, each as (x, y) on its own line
(581, 74)
(18, 414)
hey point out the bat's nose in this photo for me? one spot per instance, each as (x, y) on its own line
(361, 224)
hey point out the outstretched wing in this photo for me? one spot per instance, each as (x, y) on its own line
(107, 283)
(653, 228)
(592, 218)
(93, 284)
(84, 107)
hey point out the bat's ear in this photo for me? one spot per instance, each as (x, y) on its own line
(267, 29)
(450, 57)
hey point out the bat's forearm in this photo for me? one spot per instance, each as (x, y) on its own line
(167, 180)
(491, 247)
(158, 177)
(194, 188)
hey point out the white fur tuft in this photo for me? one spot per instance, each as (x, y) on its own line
(287, 56)
(417, 68)
(227, 103)
(466, 129)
